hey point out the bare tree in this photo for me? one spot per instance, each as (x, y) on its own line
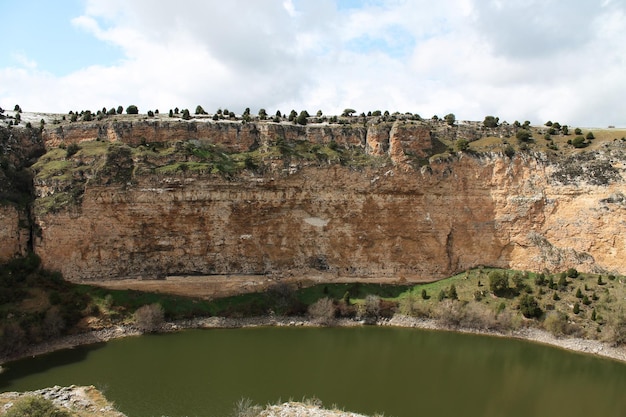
(149, 318)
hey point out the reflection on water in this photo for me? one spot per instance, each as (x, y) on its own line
(401, 372)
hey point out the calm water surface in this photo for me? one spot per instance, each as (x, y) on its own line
(398, 372)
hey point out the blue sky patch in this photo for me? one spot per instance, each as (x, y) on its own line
(41, 32)
(397, 42)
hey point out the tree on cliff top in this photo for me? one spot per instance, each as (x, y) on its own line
(491, 121)
(132, 109)
(450, 118)
(302, 117)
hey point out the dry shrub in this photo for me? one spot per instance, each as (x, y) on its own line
(557, 324)
(33, 406)
(149, 318)
(345, 309)
(457, 314)
(246, 408)
(411, 306)
(53, 323)
(322, 311)
(372, 306)
(449, 313)
(506, 320)
(476, 316)
(12, 338)
(615, 331)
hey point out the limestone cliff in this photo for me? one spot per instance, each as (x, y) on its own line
(147, 199)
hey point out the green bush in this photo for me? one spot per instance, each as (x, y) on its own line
(132, 109)
(498, 283)
(462, 145)
(540, 279)
(529, 306)
(523, 135)
(450, 118)
(579, 142)
(491, 121)
(452, 294)
(32, 406)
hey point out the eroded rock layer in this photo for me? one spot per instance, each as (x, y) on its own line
(402, 218)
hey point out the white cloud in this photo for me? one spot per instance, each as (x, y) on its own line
(522, 59)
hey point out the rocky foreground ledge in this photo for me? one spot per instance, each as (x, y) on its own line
(78, 401)
(73, 400)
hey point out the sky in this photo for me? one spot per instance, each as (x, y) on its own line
(536, 60)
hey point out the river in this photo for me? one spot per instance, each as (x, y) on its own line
(398, 372)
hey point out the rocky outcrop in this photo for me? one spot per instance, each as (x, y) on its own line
(72, 401)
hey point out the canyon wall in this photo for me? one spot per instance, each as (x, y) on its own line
(403, 218)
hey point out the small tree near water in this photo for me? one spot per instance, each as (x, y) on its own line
(149, 318)
(322, 311)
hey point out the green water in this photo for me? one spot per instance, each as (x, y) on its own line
(398, 372)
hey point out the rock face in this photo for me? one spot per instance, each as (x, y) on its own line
(404, 218)
(14, 236)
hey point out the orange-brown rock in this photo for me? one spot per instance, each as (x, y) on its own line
(521, 213)
(14, 236)
(409, 218)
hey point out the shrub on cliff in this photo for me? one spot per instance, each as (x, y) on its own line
(523, 135)
(491, 121)
(149, 318)
(132, 109)
(579, 142)
(462, 145)
(450, 118)
(302, 117)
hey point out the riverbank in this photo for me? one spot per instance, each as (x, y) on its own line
(593, 347)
